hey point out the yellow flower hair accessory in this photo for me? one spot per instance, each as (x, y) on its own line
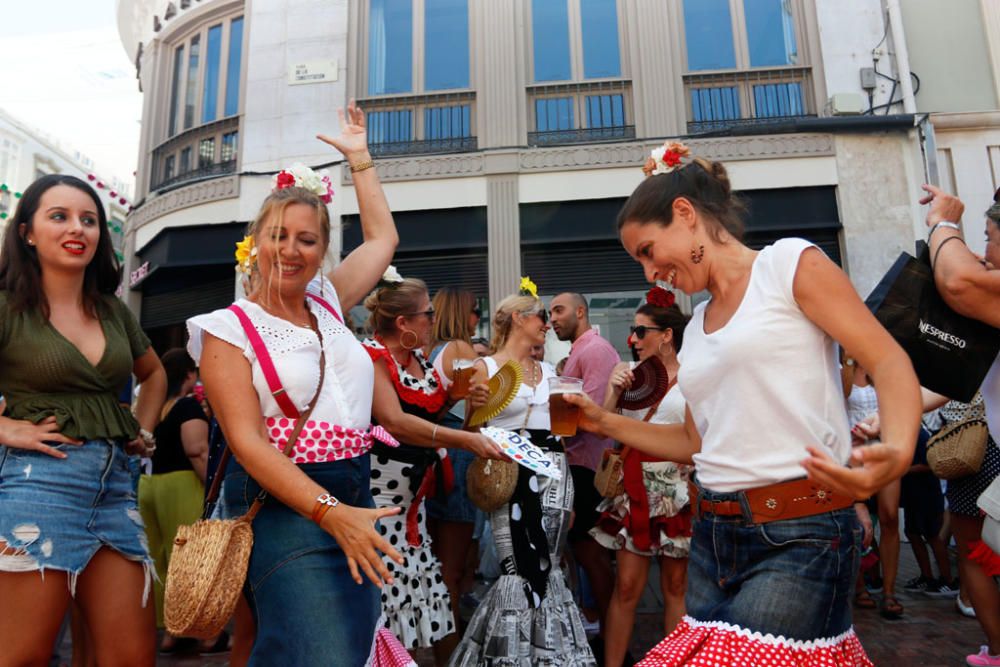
(528, 288)
(246, 255)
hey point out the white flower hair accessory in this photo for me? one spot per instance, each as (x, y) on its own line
(301, 176)
(669, 157)
(390, 278)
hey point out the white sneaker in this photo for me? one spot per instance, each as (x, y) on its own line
(964, 609)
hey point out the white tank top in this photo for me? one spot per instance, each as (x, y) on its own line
(536, 398)
(438, 365)
(765, 385)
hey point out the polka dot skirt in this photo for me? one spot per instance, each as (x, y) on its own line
(963, 492)
(699, 644)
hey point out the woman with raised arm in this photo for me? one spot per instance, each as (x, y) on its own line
(266, 361)
(69, 522)
(775, 540)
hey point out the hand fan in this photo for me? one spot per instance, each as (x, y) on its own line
(649, 385)
(503, 388)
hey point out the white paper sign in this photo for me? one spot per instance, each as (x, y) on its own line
(313, 71)
(523, 451)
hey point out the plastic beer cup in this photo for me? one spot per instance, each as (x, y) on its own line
(562, 415)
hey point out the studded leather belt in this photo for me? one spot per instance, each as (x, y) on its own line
(784, 500)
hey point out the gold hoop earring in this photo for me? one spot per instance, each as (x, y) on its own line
(416, 339)
(696, 257)
(659, 348)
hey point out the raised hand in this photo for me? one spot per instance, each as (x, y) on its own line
(355, 532)
(23, 434)
(943, 205)
(353, 138)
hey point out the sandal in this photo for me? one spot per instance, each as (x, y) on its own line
(864, 600)
(890, 608)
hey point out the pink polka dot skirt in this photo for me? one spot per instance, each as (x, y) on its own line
(321, 441)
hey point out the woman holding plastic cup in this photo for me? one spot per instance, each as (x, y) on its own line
(530, 599)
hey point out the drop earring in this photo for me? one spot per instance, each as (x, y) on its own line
(696, 257)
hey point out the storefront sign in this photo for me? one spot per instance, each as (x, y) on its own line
(138, 275)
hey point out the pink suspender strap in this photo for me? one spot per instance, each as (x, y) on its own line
(326, 304)
(266, 365)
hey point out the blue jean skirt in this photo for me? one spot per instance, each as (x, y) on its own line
(308, 609)
(57, 513)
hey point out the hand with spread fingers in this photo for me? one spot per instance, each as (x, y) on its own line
(23, 434)
(873, 467)
(353, 138)
(355, 532)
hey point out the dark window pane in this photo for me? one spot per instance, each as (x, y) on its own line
(390, 47)
(206, 152)
(599, 19)
(708, 30)
(778, 99)
(550, 39)
(605, 111)
(229, 142)
(447, 122)
(390, 126)
(715, 103)
(210, 90)
(554, 113)
(185, 161)
(233, 67)
(175, 89)
(168, 168)
(194, 52)
(446, 44)
(771, 33)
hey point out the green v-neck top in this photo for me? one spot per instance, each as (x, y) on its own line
(43, 374)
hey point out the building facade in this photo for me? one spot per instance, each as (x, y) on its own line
(509, 132)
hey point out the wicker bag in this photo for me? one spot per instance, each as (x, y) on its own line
(610, 476)
(958, 450)
(208, 565)
(490, 483)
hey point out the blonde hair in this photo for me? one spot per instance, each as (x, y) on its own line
(387, 303)
(503, 317)
(452, 308)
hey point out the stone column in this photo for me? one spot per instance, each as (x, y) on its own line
(499, 73)
(654, 28)
(503, 229)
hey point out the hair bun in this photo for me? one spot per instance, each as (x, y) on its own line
(372, 301)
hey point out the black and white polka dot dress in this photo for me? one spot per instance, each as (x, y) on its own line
(963, 492)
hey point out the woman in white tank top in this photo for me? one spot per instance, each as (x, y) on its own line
(773, 553)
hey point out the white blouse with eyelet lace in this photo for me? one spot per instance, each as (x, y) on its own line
(346, 398)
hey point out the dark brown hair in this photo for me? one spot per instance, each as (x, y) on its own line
(177, 363)
(993, 214)
(702, 182)
(20, 272)
(667, 318)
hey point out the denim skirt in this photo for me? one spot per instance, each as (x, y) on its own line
(308, 609)
(56, 513)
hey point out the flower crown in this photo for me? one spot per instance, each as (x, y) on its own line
(301, 176)
(669, 157)
(527, 288)
(391, 278)
(659, 297)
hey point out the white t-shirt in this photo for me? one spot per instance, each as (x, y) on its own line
(346, 398)
(512, 418)
(765, 385)
(991, 399)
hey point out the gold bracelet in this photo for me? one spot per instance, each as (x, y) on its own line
(361, 166)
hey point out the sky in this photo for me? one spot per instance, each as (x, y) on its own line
(65, 73)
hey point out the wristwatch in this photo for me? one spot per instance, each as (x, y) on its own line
(324, 503)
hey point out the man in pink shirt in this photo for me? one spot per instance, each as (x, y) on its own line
(591, 358)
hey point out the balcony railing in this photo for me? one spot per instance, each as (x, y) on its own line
(579, 113)
(421, 124)
(721, 100)
(206, 151)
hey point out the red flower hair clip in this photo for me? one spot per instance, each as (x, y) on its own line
(659, 297)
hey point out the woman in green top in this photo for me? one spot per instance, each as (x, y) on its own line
(69, 524)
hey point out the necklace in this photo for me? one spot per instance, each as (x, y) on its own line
(534, 379)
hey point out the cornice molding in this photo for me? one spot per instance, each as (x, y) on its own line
(202, 192)
(598, 156)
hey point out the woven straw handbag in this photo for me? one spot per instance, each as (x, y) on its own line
(958, 450)
(610, 476)
(490, 483)
(208, 565)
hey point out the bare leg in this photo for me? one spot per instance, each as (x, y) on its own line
(919, 548)
(596, 563)
(633, 570)
(244, 631)
(110, 592)
(941, 557)
(83, 644)
(888, 517)
(673, 583)
(982, 590)
(33, 612)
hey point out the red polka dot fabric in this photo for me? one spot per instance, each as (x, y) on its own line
(715, 644)
(321, 441)
(389, 652)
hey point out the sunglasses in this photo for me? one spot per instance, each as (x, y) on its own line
(542, 315)
(428, 313)
(640, 331)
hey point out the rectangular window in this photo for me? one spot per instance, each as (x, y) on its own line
(168, 168)
(778, 99)
(175, 90)
(605, 111)
(770, 33)
(233, 64)
(553, 114)
(708, 104)
(390, 47)
(229, 144)
(708, 29)
(550, 40)
(185, 165)
(192, 81)
(599, 23)
(206, 152)
(390, 126)
(447, 122)
(210, 89)
(446, 44)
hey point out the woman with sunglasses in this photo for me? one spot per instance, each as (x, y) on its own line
(408, 402)
(529, 616)
(652, 517)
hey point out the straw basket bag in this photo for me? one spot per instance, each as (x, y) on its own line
(958, 450)
(490, 483)
(209, 561)
(610, 476)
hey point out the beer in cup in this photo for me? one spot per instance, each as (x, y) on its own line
(563, 416)
(462, 371)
